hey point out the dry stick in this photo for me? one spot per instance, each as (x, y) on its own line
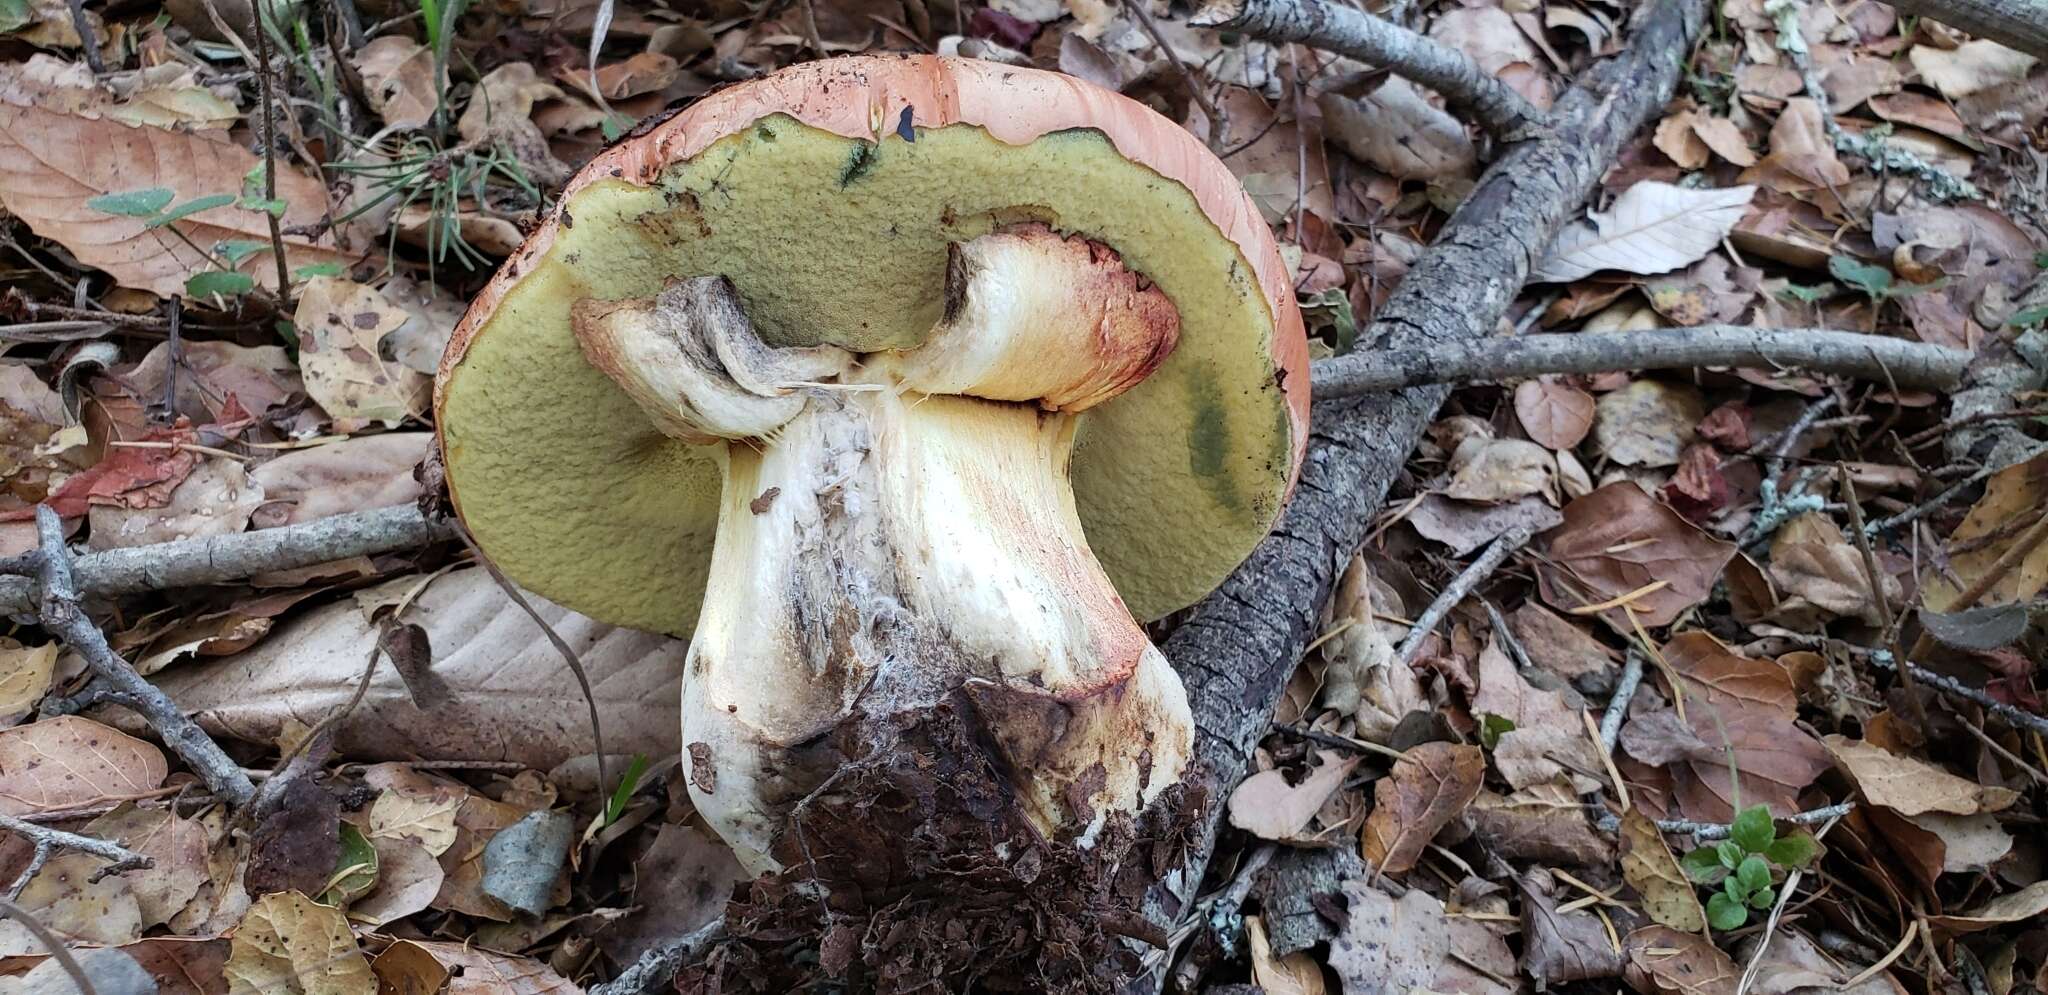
(1872, 577)
(2020, 24)
(63, 615)
(1456, 591)
(1362, 36)
(1236, 648)
(47, 840)
(1624, 692)
(1705, 831)
(1911, 364)
(655, 971)
(264, 83)
(220, 559)
(86, 38)
(2018, 718)
(1196, 91)
(52, 942)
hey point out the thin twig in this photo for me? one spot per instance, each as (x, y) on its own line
(118, 857)
(1956, 689)
(656, 969)
(1624, 692)
(62, 614)
(264, 72)
(1875, 580)
(86, 38)
(1456, 591)
(1704, 831)
(1912, 364)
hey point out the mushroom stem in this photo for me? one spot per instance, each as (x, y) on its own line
(909, 537)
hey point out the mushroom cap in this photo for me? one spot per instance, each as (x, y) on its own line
(828, 194)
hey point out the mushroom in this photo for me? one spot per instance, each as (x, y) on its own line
(890, 382)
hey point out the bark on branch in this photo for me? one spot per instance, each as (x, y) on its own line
(2021, 24)
(1873, 357)
(1350, 31)
(1237, 647)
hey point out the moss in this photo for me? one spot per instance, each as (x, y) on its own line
(564, 482)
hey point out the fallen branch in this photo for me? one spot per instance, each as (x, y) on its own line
(2016, 717)
(1237, 648)
(1457, 590)
(47, 841)
(221, 559)
(62, 614)
(1353, 32)
(1872, 357)
(1719, 830)
(2020, 24)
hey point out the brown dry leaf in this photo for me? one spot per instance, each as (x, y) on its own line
(1969, 842)
(51, 163)
(341, 327)
(181, 965)
(1909, 786)
(1396, 130)
(353, 474)
(289, 944)
(1362, 678)
(1819, 575)
(1619, 541)
(1494, 471)
(399, 80)
(1675, 138)
(1562, 947)
(1426, 789)
(1294, 974)
(1802, 157)
(1921, 111)
(434, 312)
(1487, 34)
(500, 113)
(1549, 738)
(408, 878)
(64, 897)
(1268, 807)
(1563, 648)
(1725, 137)
(1975, 65)
(169, 96)
(642, 72)
(178, 845)
(2028, 904)
(2012, 498)
(1405, 944)
(422, 814)
(1650, 868)
(1795, 965)
(486, 231)
(71, 762)
(215, 499)
(1649, 422)
(1707, 292)
(1853, 81)
(1733, 704)
(429, 966)
(1543, 822)
(25, 674)
(511, 691)
(1557, 415)
(1664, 961)
(1466, 527)
(679, 884)
(1653, 227)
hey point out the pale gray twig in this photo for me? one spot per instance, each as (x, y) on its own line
(656, 969)
(47, 841)
(1457, 590)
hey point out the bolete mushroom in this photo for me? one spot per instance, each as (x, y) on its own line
(891, 381)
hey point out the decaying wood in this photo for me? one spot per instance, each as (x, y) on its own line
(1236, 648)
(1878, 358)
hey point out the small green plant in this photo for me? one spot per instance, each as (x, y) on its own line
(629, 782)
(1741, 866)
(153, 206)
(1875, 282)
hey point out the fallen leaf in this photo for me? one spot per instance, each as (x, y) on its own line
(288, 943)
(512, 699)
(1909, 786)
(125, 478)
(25, 674)
(1735, 706)
(399, 80)
(679, 884)
(1542, 822)
(1802, 156)
(1795, 965)
(1970, 843)
(1921, 111)
(1466, 527)
(2012, 498)
(1361, 677)
(1561, 947)
(1675, 138)
(1294, 974)
(1653, 227)
(1493, 471)
(2025, 905)
(1397, 131)
(439, 966)
(297, 845)
(177, 845)
(1487, 34)
(64, 898)
(353, 474)
(642, 72)
(182, 965)
(1566, 650)
(71, 762)
(1970, 67)
(1619, 541)
(1664, 961)
(426, 817)
(500, 113)
(1819, 575)
(433, 313)
(1404, 944)
(523, 860)
(216, 498)
(1649, 867)
(1649, 422)
(1725, 138)
(1546, 727)
(341, 325)
(1557, 415)
(408, 878)
(52, 163)
(1268, 807)
(1423, 792)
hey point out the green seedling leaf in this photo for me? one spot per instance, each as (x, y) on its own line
(226, 283)
(611, 128)
(2030, 317)
(1730, 853)
(629, 782)
(236, 250)
(133, 203)
(1703, 865)
(1792, 851)
(318, 269)
(355, 870)
(190, 208)
(1762, 898)
(252, 182)
(1332, 308)
(1752, 829)
(1725, 913)
(1806, 295)
(1753, 874)
(1492, 727)
(274, 208)
(1874, 281)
